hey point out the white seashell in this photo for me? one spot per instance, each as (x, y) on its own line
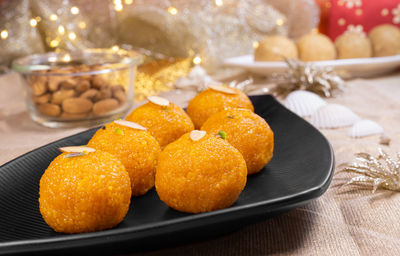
(158, 100)
(304, 103)
(196, 80)
(77, 149)
(130, 124)
(364, 128)
(196, 135)
(333, 116)
(221, 88)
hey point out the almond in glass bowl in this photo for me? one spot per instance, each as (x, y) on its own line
(85, 87)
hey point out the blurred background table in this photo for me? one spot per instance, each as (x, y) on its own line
(343, 221)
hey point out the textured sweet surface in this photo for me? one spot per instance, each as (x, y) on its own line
(200, 176)
(165, 123)
(84, 193)
(385, 40)
(247, 132)
(353, 45)
(275, 48)
(136, 149)
(315, 47)
(209, 102)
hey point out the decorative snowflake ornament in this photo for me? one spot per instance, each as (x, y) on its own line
(396, 14)
(352, 3)
(359, 29)
(379, 172)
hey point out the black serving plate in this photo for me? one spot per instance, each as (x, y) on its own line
(301, 170)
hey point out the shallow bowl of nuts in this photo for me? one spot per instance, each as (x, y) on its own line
(81, 88)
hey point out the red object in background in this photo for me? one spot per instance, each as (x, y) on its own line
(324, 6)
(367, 13)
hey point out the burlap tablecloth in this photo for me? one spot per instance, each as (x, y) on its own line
(343, 221)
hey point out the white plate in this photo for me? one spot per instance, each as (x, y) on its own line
(365, 67)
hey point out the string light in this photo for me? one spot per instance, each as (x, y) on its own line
(82, 25)
(118, 8)
(67, 58)
(74, 10)
(61, 29)
(52, 59)
(219, 2)
(33, 22)
(255, 44)
(118, 5)
(115, 48)
(38, 19)
(172, 10)
(196, 60)
(279, 22)
(4, 34)
(54, 43)
(128, 1)
(53, 17)
(72, 36)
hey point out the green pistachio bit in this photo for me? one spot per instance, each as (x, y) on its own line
(166, 109)
(222, 134)
(119, 131)
(103, 127)
(231, 116)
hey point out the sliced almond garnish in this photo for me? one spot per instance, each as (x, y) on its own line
(158, 101)
(77, 149)
(196, 135)
(130, 124)
(221, 88)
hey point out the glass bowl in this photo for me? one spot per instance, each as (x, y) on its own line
(80, 88)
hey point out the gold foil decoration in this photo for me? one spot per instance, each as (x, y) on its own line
(307, 76)
(379, 172)
(74, 25)
(176, 28)
(19, 35)
(159, 75)
(214, 30)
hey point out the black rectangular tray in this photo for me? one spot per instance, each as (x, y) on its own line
(300, 171)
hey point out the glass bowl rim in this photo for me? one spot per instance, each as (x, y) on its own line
(132, 58)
